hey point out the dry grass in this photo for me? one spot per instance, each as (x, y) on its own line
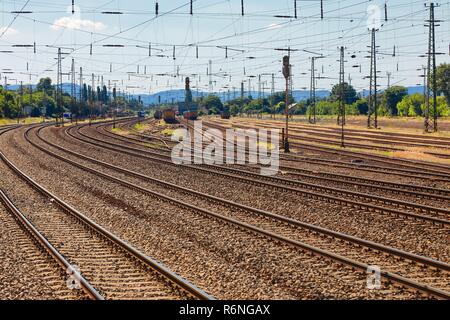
(391, 125)
(420, 156)
(5, 122)
(141, 127)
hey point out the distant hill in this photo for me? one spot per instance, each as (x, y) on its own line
(411, 90)
(178, 95)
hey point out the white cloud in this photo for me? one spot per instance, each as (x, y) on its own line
(274, 26)
(9, 32)
(77, 23)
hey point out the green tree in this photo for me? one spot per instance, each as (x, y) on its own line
(85, 94)
(362, 106)
(443, 80)
(411, 106)
(443, 107)
(278, 97)
(280, 107)
(8, 104)
(45, 85)
(325, 107)
(349, 93)
(212, 104)
(105, 95)
(114, 94)
(301, 108)
(392, 96)
(99, 94)
(48, 105)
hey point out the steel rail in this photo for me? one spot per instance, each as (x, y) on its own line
(341, 164)
(381, 135)
(46, 245)
(399, 203)
(359, 155)
(254, 178)
(363, 167)
(359, 137)
(370, 244)
(159, 268)
(325, 253)
(434, 193)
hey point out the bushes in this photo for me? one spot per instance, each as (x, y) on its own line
(414, 106)
(327, 108)
(411, 106)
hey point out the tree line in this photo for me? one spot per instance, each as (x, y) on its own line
(45, 100)
(394, 101)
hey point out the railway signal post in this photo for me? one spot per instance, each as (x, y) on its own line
(287, 74)
(342, 98)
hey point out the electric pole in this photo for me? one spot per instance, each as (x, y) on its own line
(60, 109)
(431, 116)
(259, 86)
(341, 117)
(91, 102)
(210, 77)
(19, 115)
(312, 97)
(287, 75)
(372, 121)
(73, 90)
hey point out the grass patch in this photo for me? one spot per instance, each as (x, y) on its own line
(117, 130)
(139, 127)
(168, 132)
(154, 146)
(266, 145)
(6, 121)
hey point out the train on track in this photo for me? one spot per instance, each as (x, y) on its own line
(190, 115)
(169, 116)
(141, 114)
(158, 115)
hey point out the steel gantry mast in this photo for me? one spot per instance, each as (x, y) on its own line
(341, 116)
(313, 100)
(431, 115)
(372, 120)
(312, 108)
(73, 89)
(59, 89)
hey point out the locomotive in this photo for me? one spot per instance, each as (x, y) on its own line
(169, 116)
(141, 114)
(190, 115)
(158, 115)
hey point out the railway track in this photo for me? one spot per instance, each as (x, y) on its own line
(409, 166)
(384, 137)
(333, 245)
(30, 242)
(408, 173)
(114, 268)
(331, 195)
(375, 185)
(395, 188)
(382, 144)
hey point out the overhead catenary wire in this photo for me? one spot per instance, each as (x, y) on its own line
(261, 54)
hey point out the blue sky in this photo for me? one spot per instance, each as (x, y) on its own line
(215, 25)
